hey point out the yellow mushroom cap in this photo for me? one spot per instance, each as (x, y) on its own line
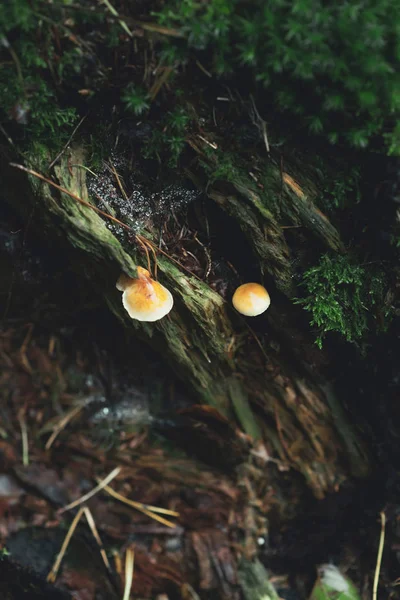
(143, 298)
(251, 299)
(123, 282)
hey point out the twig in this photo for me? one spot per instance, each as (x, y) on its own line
(129, 568)
(142, 507)
(93, 529)
(59, 155)
(63, 423)
(379, 556)
(102, 484)
(208, 256)
(51, 577)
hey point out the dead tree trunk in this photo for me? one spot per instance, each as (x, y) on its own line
(275, 396)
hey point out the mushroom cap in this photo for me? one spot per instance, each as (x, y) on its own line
(123, 282)
(251, 299)
(147, 300)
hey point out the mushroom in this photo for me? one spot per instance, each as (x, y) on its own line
(143, 298)
(251, 299)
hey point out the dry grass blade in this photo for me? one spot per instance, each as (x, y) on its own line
(24, 437)
(129, 568)
(102, 484)
(62, 424)
(379, 556)
(155, 509)
(22, 352)
(118, 180)
(159, 29)
(159, 82)
(93, 529)
(117, 562)
(57, 158)
(120, 21)
(51, 577)
(142, 508)
(144, 246)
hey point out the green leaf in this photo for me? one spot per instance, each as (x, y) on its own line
(332, 585)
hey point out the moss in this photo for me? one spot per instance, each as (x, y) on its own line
(168, 140)
(135, 99)
(339, 190)
(343, 296)
(333, 66)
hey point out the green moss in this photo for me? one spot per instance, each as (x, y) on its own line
(135, 99)
(169, 139)
(332, 65)
(340, 191)
(344, 296)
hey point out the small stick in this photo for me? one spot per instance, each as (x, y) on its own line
(103, 483)
(93, 528)
(379, 556)
(129, 567)
(51, 577)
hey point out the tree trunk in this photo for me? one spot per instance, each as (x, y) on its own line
(273, 388)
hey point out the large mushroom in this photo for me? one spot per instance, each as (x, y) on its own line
(251, 299)
(143, 298)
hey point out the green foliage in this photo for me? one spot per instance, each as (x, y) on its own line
(18, 13)
(169, 139)
(221, 166)
(341, 296)
(46, 120)
(31, 67)
(334, 64)
(135, 99)
(341, 192)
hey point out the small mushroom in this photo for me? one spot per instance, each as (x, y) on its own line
(251, 299)
(143, 298)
